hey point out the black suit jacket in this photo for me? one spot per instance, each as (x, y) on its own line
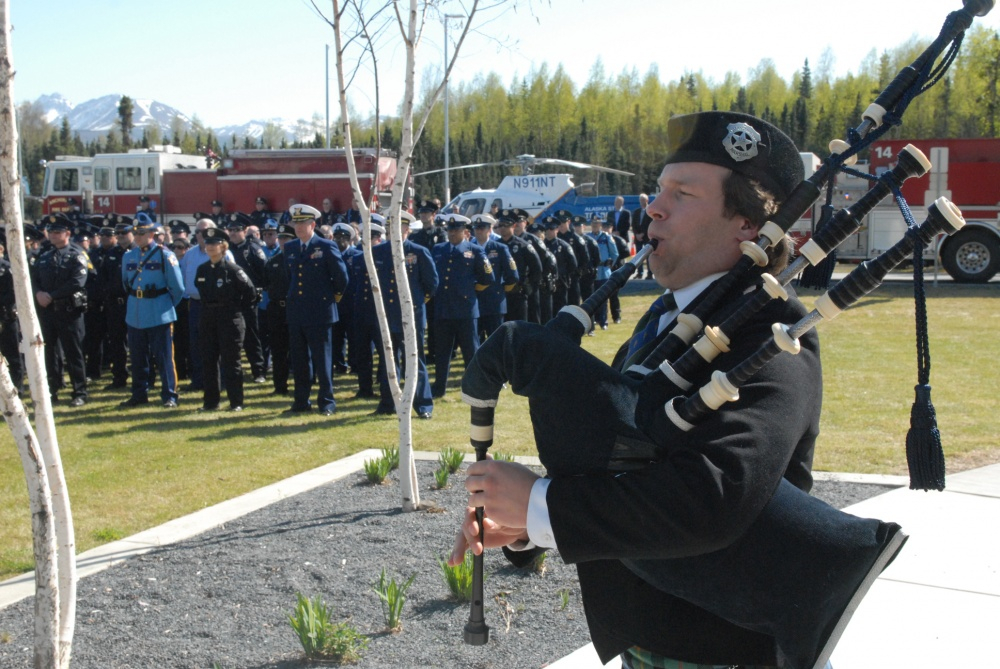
(622, 223)
(700, 498)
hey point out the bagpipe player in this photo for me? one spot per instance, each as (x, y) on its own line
(725, 173)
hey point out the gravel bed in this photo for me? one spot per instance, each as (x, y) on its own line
(221, 599)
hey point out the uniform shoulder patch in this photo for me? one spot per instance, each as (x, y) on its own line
(172, 259)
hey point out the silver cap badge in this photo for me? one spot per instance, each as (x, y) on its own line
(741, 142)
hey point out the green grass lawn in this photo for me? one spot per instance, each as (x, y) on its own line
(131, 469)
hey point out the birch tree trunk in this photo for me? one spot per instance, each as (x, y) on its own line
(43, 530)
(410, 26)
(33, 348)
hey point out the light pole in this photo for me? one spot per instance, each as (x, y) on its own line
(447, 158)
(328, 96)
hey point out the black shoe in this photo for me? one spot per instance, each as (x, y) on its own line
(298, 409)
(280, 391)
(327, 412)
(170, 404)
(424, 415)
(236, 408)
(193, 388)
(133, 402)
(383, 412)
(618, 321)
(77, 402)
(259, 379)
(116, 386)
(342, 369)
(364, 394)
(436, 395)
(202, 409)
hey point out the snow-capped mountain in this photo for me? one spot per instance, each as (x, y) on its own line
(94, 118)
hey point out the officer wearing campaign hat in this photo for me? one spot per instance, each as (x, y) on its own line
(464, 272)
(155, 286)
(566, 267)
(251, 258)
(225, 291)
(60, 277)
(422, 279)
(505, 277)
(529, 266)
(276, 283)
(318, 277)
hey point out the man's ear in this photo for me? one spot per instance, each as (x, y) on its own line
(747, 230)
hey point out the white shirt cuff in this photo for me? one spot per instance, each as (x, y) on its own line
(539, 527)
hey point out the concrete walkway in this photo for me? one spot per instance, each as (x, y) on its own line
(938, 604)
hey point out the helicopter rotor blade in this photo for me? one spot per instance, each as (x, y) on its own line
(581, 166)
(460, 167)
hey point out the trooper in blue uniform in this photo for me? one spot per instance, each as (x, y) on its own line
(155, 286)
(607, 259)
(59, 276)
(10, 333)
(463, 272)
(317, 278)
(493, 300)
(423, 281)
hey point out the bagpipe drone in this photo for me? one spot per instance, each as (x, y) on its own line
(827, 559)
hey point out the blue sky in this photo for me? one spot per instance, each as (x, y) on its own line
(230, 61)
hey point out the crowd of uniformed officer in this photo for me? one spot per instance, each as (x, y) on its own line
(124, 294)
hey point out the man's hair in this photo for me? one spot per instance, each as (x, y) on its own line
(743, 196)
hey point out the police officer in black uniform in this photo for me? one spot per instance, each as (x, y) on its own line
(60, 279)
(529, 266)
(580, 253)
(565, 264)
(428, 235)
(115, 296)
(546, 281)
(226, 291)
(250, 257)
(588, 277)
(10, 332)
(276, 282)
(95, 320)
(260, 213)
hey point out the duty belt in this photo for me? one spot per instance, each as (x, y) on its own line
(148, 294)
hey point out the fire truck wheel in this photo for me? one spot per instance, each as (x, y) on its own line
(971, 256)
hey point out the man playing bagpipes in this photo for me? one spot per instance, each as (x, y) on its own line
(725, 173)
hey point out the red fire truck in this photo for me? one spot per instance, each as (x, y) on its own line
(966, 171)
(181, 185)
